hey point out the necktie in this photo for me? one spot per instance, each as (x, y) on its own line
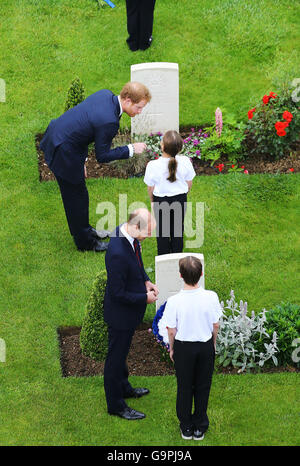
(137, 250)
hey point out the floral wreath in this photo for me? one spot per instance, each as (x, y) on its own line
(157, 329)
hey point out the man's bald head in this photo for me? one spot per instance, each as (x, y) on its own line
(141, 224)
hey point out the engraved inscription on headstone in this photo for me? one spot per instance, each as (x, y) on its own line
(162, 112)
(167, 277)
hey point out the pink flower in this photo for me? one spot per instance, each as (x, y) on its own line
(246, 172)
(219, 121)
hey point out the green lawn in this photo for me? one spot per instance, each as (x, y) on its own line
(251, 224)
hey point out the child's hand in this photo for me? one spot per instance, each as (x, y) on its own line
(172, 355)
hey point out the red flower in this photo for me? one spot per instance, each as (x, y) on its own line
(281, 132)
(243, 166)
(266, 99)
(287, 116)
(220, 167)
(246, 172)
(250, 113)
(272, 95)
(281, 125)
(292, 170)
(232, 166)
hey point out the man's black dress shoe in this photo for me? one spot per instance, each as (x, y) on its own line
(147, 44)
(98, 246)
(133, 46)
(100, 234)
(137, 393)
(130, 414)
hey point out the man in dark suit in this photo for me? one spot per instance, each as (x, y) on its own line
(128, 291)
(139, 23)
(65, 145)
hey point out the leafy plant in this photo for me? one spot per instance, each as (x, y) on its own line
(94, 333)
(240, 336)
(284, 319)
(75, 95)
(274, 123)
(228, 142)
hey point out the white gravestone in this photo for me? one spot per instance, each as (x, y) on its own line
(167, 276)
(162, 112)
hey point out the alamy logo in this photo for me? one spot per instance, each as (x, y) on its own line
(2, 350)
(2, 90)
(193, 218)
(296, 352)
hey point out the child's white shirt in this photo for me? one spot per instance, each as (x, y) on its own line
(193, 313)
(157, 172)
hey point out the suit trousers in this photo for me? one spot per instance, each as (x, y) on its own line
(194, 365)
(169, 214)
(75, 199)
(139, 21)
(116, 384)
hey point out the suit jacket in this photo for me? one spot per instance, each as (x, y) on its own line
(65, 143)
(125, 298)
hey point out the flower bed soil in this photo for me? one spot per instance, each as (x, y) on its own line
(144, 358)
(254, 164)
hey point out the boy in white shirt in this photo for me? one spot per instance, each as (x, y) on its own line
(192, 317)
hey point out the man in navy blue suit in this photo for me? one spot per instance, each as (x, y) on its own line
(128, 291)
(65, 145)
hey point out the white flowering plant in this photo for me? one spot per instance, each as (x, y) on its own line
(243, 341)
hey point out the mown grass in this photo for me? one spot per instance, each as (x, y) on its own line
(251, 229)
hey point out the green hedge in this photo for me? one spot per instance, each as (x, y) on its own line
(94, 334)
(284, 319)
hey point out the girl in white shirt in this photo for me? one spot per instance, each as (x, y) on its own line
(169, 179)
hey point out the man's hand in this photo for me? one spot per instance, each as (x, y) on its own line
(139, 147)
(151, 287)
(151, 297)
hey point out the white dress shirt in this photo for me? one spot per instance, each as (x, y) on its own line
(127, 236)
(192, 313)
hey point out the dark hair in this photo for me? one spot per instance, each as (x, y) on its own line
(172, 142)
(191, 270)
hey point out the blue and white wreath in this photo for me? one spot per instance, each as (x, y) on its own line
(159, 327)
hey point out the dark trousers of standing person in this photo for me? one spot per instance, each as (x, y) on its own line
(194, 365)
(75, 198)
(169, 214)
(116, 384)
(139, 22)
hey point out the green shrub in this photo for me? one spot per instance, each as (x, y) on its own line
(94, 334)
(75, 95)
(284, 319)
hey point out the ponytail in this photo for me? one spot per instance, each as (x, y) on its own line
(172, 145)
(172, 170)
